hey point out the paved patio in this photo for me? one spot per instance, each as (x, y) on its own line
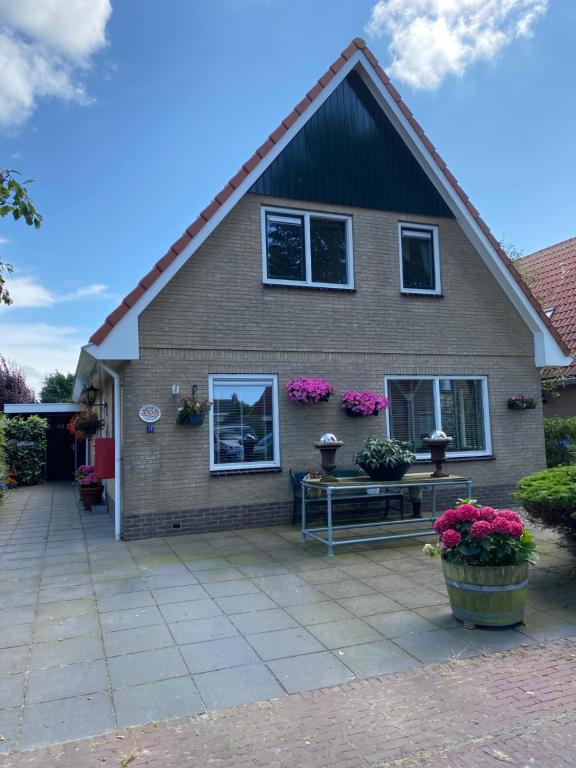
(97, 635)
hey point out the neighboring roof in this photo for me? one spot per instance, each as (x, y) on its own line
(551, 274)
(357, 53)
(42, 407)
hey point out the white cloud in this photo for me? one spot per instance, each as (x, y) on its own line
(45, 49)
(431, 39)
(41, 348)
(27, 292)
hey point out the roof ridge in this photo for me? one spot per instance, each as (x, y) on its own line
(550, 247)
(357, 44)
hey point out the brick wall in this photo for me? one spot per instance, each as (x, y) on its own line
(217, 317)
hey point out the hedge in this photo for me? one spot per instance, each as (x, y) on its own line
(560, 440)
(26, 448)
(549, 498)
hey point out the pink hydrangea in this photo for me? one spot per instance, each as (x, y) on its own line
(89, 479)
(364, 403)
(507, 527)
(451, 538)
(467, 512)
(308, 390)
(481, 529)
(516, 529)
(487, 513)
(509, 514)
(445, 521)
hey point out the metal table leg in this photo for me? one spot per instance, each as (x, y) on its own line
(303, 521)
(330, 532)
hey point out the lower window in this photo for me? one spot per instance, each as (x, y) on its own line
(458, 405)
(243, 422)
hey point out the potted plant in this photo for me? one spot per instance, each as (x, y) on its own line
(485, 557)
(521, 403)
(315, 476)
(363, 403)
(384, 459)
(91, 488)
(192, 411)
(309, 390)
(85, 424)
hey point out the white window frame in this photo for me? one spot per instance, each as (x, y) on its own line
(437, 413)
(291, 213)
(428, 228)
(264, 378)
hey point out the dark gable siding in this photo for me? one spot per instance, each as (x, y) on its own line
(349, 153)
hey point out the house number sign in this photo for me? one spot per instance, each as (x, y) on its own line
(149, 413)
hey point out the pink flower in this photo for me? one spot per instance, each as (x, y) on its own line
(487, 513)
(509, 514)
(364, 403)
(445, 521)
(467, 512)
(516, 529)
(308, 390)
(481, 529)
(451, 538)
(89, 480)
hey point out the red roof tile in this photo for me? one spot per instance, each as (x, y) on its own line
(551, 274)
(356, 45)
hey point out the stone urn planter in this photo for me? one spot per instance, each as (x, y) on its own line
(487, 596)
(91, 495)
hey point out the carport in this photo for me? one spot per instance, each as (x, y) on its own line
(63, 452)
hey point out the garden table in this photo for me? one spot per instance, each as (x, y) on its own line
(351, 487)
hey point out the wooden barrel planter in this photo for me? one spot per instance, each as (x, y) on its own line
(487, 596)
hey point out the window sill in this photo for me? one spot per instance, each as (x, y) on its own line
(459, 459)
(416, 295)
(279, 286)
(255, 471)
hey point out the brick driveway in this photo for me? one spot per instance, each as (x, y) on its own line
(97, 635)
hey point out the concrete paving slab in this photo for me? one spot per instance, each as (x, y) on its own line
(284, 642)
(218, 654)
(74, 718)
(64, 682)
(310, 671)
(239, 685)
(160, 700)
(146, 667)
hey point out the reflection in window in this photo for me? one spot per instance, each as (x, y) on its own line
(307, 249)
(244, 432)
(419, 267)
(419, 406)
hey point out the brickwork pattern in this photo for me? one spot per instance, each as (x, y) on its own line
(216, 316)
(516, 708)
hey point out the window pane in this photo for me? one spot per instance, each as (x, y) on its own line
(285, 249)
(411, 410)
(328, 243)
(417, 261)
(462, 408)
(243, 422)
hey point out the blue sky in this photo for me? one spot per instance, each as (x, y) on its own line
(158, 104)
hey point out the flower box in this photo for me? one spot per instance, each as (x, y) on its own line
(309, 390)
(521, 403)
(363, 403)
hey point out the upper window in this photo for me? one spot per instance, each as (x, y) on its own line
(419, 261)
(458, 405)
(244, 422)
(302, 248)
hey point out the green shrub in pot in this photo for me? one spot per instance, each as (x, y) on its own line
(384, 459)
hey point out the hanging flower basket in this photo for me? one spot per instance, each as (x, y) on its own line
(85, 425)
(192, 412)
(363, 403)
(308, 390)
(521, 403)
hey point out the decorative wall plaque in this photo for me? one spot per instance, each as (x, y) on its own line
(149, 413)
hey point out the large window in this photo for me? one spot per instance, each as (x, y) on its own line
(310, 249)
(419, 261)
(243, 422)
(458, 405)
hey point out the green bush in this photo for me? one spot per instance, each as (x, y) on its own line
(560, 436)
(549, 498)
(3, 468)
(26, 448)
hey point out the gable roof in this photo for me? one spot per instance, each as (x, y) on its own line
(549, 346)
(551, 274)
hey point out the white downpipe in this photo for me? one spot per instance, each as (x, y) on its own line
(117, 452)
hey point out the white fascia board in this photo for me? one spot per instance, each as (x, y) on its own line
(41, 408)
(122, 343)
(84, 367)
(547, 351)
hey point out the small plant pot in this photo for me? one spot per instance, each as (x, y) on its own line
(521, 407)
(487, 596)
(354, 415)
(91, 495)
(385, 473)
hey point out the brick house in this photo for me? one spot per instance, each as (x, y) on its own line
(343, 248)
(551, 275)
